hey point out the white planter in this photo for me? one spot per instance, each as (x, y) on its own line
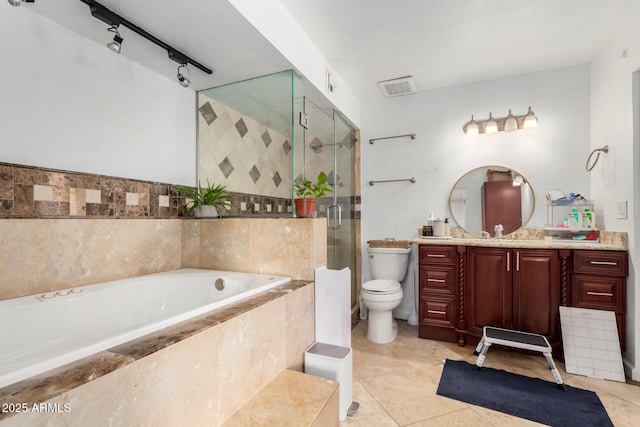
(206, 211)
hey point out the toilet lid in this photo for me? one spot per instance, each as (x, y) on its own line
(381, 286)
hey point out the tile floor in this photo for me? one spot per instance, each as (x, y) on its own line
(396, 384)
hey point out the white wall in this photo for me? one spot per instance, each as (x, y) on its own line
(277, 25)
(551, 156)
(612, 180)
(69, 103)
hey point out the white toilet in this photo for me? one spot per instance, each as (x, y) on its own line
(384, 293)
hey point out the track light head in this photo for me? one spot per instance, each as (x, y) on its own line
(185, 81)
(16, 3)
(116, 44)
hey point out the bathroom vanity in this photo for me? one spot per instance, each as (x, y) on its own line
(465, 284)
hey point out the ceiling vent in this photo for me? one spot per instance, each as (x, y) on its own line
(396, 87)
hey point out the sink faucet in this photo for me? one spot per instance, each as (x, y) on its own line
(498, 231)
(485, 234)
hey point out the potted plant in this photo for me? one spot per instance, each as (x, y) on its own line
(206, 202)
(306, 194)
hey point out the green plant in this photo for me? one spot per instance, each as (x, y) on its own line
(211, 195)
(312, 190)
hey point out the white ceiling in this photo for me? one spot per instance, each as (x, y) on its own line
(440, 42)
(450, 42)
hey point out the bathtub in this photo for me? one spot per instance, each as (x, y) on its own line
(45, 331)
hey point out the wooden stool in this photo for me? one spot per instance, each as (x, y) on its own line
(516, 339)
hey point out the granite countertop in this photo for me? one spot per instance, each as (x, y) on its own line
(609, 241)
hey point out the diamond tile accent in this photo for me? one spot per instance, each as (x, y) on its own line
(277, 180)
(208, 114)
(266, 138)
(241, 127)
(286, 146)
(255, 174)
(226, 167)
(316, 145)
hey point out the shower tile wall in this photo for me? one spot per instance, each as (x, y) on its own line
(245, 155)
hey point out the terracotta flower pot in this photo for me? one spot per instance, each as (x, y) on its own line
(305, 208)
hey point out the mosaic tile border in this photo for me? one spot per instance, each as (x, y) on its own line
(35, 192)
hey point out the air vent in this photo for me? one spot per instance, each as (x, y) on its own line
(400, 86)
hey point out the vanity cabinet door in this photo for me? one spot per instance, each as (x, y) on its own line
(514, 289)
(536, 292)
(488, 289)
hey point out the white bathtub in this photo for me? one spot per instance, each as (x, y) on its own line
(42, 332)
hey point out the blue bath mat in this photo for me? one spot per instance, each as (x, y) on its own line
(531, 398)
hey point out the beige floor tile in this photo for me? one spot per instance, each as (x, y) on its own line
(463, 417)
(410, 397)
(370, 413)
(396, 383)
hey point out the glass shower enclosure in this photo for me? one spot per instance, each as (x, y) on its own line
(258, 136)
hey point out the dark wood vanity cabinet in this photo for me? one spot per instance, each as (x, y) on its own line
(464, 288)
(599, 282)
(514, 289)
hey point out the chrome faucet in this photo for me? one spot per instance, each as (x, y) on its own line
(485, 234)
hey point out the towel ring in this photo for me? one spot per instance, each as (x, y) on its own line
(604, 149)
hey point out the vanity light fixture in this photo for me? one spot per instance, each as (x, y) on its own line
(500, 124)
(116, 44)
(16, 3)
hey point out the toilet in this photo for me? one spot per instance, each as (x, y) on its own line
(384, 293)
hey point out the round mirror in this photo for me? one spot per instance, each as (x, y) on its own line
(491, 196)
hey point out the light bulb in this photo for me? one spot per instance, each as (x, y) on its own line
(530, 120)
(491, 126)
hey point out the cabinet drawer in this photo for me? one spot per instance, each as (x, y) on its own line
(437, 279)
(598, 292)
(600, 262)
(437, 254)
(437, 311)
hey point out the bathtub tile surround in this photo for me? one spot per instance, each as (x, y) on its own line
(276, 246)
(213, 359)
(63, 253)
(41, 255)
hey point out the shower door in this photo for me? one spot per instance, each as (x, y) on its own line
(329, 147)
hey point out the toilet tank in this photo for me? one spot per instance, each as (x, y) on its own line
(388, 263)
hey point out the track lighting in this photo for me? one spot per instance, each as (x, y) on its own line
(116, 44)
(114, 21)
(185, 81)
(16, 3)
(502, 124)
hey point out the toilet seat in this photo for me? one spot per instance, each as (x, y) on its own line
(381, 287)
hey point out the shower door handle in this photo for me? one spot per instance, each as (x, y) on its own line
(334, 221)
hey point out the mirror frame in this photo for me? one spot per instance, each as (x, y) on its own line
(487, 167)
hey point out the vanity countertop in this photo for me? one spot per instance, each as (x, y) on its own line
(609, 241)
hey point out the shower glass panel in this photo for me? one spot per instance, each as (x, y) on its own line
(250, 138)
(245, 134)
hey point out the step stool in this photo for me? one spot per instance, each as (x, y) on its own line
(516, 339)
